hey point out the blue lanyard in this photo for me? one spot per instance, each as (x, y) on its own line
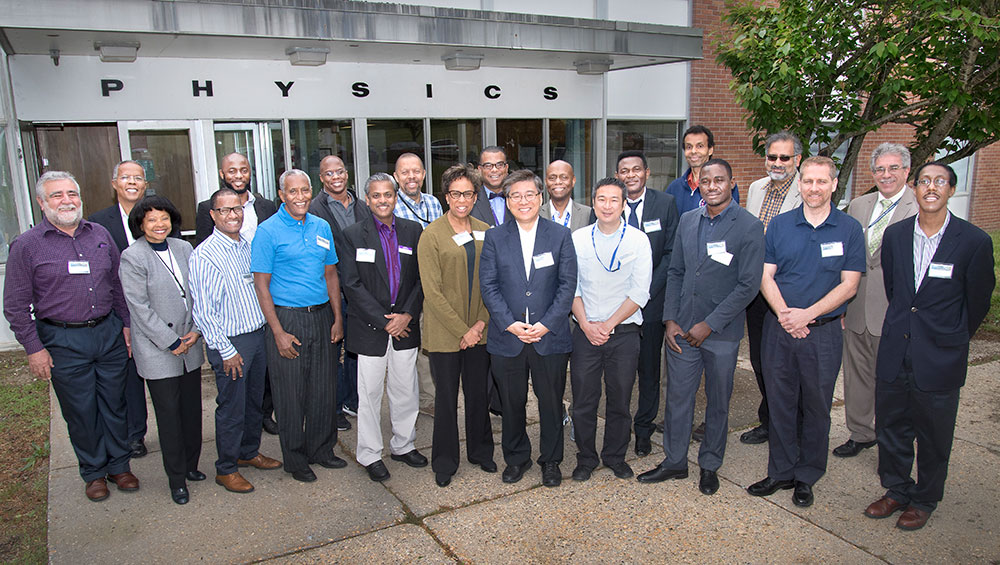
(883, 214)
(565, 221)
(613, 255)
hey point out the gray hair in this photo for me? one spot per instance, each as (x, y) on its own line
(521, 175)
(53, 176)
(127, 162)
(290, 173)
(891, 149)
(380, 177)
(784, 135)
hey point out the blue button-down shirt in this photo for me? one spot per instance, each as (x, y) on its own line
(428, 210)
(804, 275)
(296, 254)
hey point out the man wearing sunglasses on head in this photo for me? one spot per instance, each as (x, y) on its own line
(774, 194)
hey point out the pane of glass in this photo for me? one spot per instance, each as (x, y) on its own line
(452, 141)
(388, 139)
(658, 140)
(573, 141)
(166, 158)
(241, 138)
(237, 139)
(8, 211)
(311, 140)
(278, 157)
(522, 142)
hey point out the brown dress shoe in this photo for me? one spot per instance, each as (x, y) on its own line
(883, 507)
(125, 481)
(912, 519)
(234, 482)
(97, 490)
(261, 461)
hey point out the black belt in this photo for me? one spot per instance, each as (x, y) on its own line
(821, 321)
(87, 324)
(312, 308)
(626, 328)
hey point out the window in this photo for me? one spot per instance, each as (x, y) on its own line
(573, 141)
(9, 227)
(522, 142)
(388, 139)
(311, 140)
(452, 142)
(660, 141)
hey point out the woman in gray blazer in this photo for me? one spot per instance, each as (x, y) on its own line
(154, 275)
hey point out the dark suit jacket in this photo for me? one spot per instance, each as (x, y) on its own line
(481, 209)
(318, 207)
(111, 219)
(367, 287)
(705, 289)
(203, 220)
(547, 293)
(936, 322)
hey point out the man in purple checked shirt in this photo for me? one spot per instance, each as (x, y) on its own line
(65, 272)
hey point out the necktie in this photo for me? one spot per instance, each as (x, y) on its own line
(875, 232)
(633, 218)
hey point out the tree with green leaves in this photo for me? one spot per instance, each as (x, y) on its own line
(833, 71)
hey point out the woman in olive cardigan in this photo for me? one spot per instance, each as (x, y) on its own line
(454, 332)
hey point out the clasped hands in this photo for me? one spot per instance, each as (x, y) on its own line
(528, 333)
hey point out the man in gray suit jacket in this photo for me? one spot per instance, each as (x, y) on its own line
(714, 273)
(561, 208)
(893, 203)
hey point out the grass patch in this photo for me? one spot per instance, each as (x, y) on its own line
(991, 325)
(24, 462)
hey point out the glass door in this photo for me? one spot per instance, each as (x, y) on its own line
(262, 143)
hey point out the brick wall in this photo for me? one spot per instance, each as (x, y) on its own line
(984, 205)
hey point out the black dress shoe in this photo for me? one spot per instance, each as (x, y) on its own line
(377, 471)
(699, 433)
(442, 479)
(180, 495)
(768, 486)
(850, 448)
(802, 495)
(622, 470)
(582, 473)
(487, 466)
(709, 482)
(659, 427)
(270, 426)
(513, 473)
(343, 424)
(754, 436)
(659, 474)
(642, 446)
(551, 476)
(333, 462)
(414, 458)
(195, 475)
(138, 448)
(306, 475)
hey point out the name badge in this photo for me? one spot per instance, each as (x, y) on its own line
(652, 225)
(247, 278)
(543, 260)
(461, 239)
(831, 249)
(715, 247)
(725, 258)
(479, 235)
(940, 270)
(365, 256)
(405, 250)
(79, 267)
(323, 242)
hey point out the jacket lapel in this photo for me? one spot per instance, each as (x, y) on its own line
(372, 239)
(514, 248)
(945, 249)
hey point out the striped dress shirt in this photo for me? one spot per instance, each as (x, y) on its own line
(221, 285)
(924, 248)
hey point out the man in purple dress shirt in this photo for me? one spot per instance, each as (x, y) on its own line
(65, 272)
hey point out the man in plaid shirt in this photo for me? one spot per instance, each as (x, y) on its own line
(413, 204)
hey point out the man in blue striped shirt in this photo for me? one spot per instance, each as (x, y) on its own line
(227, 312)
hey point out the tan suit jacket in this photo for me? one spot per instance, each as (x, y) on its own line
(758, 189)
(867, 309)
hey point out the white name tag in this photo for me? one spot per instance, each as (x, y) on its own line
(247, 278)
(323, 242)
(366, 255)
(940, 270)
(405, 250)
(479, 235)
(652, 225)
(462, 238)
(832, 249)
(725, 258)
(79, 267)
(715, 247)
(543, 260)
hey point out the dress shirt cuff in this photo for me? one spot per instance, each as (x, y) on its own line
(33, 345)
(175, 345)
(639, 296)
(227, 351)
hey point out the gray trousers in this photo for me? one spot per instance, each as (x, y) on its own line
(860, 350)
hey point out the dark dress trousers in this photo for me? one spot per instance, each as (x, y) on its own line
(546, 295)
(924, 352)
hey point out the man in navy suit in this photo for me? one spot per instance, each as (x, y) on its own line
(655, 213)
(938, 273)
(527, 274)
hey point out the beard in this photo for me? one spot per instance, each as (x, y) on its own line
(780, 177)
(243, 190)
(63, 216)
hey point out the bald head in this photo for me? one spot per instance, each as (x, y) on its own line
(333, 175)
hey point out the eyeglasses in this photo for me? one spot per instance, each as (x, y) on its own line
(523, 196)
(227, 210)
(467, 195)
(782, 158)
(939, 182)
(337, 173)
(136, 178)
(891, 169)
(491, 166)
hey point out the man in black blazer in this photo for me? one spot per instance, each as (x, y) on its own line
(655, 213)
(490, 206)
(129, 184)
(938, 273)
(382, 283)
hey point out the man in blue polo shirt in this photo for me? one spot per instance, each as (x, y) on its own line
(813, 260)
(293, 263)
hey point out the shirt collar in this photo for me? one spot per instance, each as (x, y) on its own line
(800, 216)
(691, 181)
(895, 198)
(529, 230)
(919, 232)
(641, 196)
(782, 186)
(404, 196)
(228, 241)
(382, 227)
(704, 211)
(49, 227)
(287, 218)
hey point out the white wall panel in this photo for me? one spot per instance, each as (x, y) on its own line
(659, 92)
